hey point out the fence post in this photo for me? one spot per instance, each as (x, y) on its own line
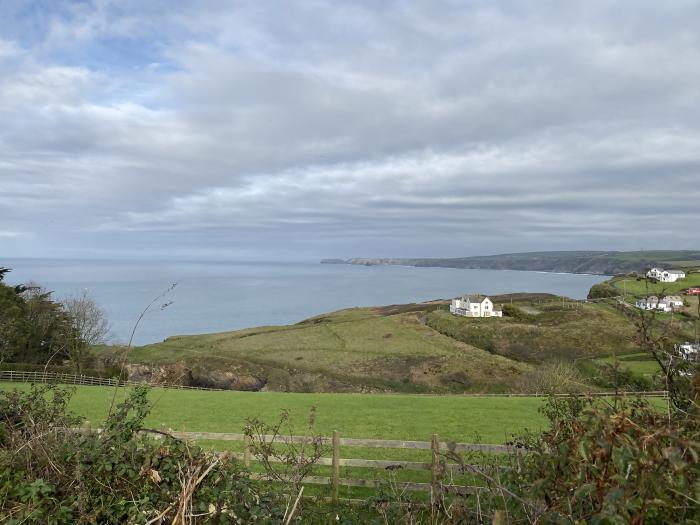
(335, 480)
(434, 477)
(246, 451)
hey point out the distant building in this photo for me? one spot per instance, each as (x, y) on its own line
(666, 304)
(674, 301)
(665, 276)
(474, 305)
(693, 291)
(689, 351)
(648, 303)
(655, 273)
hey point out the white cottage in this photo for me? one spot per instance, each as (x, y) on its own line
(674, 301)
(665, 276)
(689, 351)
(665, 304)
(648, 303)
(474, 305)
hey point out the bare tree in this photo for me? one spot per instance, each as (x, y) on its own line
(89, 325)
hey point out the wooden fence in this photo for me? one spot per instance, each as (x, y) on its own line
(79, 379)
(335, 480)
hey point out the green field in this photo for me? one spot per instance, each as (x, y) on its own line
(639, 363)
(370, 416)
(373, 416)
(384, 416)
(641, 287)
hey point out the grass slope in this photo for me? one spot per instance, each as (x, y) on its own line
(360, 349)
(639, 286)
(548, 329)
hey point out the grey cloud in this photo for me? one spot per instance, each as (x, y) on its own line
(455, 128)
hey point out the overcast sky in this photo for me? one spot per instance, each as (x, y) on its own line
(307, 129)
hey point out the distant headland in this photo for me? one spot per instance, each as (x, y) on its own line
(589, 262)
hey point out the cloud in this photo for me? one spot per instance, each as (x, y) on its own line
(328, 128)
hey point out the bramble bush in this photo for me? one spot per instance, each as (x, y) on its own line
(51, 475)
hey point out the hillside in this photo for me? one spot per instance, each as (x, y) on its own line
(355, 350)
(592, 262)
(640, 287)
(400, 348)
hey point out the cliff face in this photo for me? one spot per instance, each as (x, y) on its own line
(600, 263)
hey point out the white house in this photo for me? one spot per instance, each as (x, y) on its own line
(665, 276)
(674, 301)
(648, 303)
(689, 351)
(666, 304)
(474, 305)
(655, 273)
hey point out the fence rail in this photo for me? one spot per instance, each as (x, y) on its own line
(79, 379)
(335, 480)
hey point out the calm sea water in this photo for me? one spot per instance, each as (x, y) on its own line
(220, 296)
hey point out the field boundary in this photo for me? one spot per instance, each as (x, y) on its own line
(83, 380)
(437, 466)
(79, 379)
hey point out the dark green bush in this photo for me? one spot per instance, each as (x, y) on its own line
(50, 475)
(510, 310)
(602, 462)
(603, 291)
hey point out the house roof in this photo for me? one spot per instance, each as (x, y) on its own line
(676, 272)
(672, 298)
(474, 298)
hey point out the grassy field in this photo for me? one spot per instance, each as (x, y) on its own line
(641, 287)
(381, 416)
(355, 350)
(639, 363)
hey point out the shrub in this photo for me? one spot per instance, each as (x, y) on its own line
(603, 291)
(54, 476)
(551, 378)
(621, 462)
(510, 310)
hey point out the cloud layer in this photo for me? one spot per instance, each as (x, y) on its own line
(308, 129)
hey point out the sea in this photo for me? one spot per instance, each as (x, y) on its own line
(218, 296)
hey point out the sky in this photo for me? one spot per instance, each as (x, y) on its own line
(305, 129)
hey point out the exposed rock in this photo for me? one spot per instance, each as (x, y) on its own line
(181, 374)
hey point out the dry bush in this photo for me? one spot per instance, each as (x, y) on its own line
(558, 377)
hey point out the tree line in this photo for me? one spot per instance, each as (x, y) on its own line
(35, 328)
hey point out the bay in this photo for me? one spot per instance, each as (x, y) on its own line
(217, 296)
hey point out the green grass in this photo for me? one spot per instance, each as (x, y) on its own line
(641, 287)
(378, 416)
(639, 363)
(360, 349)
(384, 416)
(559, 331)
(371, 416)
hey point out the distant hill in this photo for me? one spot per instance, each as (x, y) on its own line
(591, 262)
(399, 348)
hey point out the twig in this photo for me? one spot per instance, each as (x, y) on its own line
(288, 519)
